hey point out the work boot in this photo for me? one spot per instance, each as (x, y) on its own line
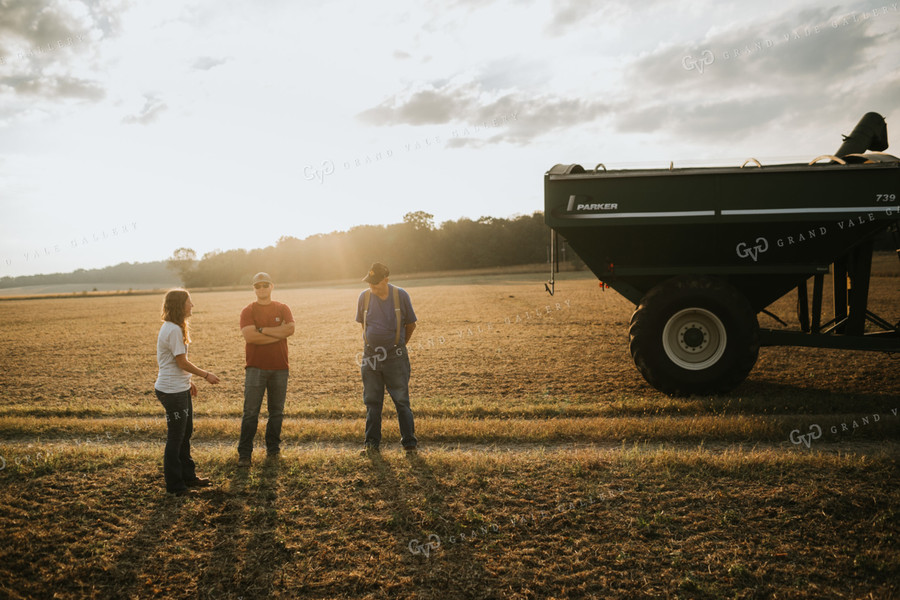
(200, 482)
(371, 450)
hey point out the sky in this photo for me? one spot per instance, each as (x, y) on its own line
(131, 129)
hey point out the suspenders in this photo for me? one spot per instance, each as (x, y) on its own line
(396, 314)
(368, 297)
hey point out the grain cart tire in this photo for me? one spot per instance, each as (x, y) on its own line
(694, 335)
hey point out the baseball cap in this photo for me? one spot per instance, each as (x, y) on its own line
(377, 273)
(260, 277)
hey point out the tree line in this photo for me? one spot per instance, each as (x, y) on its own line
(125, 273)
(415, 245)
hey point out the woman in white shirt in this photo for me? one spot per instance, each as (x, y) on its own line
(175, 389)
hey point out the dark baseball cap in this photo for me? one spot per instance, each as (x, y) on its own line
(377, 273)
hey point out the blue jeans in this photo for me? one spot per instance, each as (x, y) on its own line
(178, 467)
(256, 383)
(392, 373)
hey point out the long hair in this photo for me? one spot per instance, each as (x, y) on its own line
(173, 311)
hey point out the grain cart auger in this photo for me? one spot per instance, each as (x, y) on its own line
(702, 251)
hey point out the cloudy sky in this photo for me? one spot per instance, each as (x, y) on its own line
(129, 129)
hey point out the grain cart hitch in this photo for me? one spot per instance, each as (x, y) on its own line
(702, 251)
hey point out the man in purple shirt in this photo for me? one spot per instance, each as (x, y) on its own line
(388, 321)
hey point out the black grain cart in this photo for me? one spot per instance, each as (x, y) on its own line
(702, 251)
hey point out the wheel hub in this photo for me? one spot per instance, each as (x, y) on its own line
(694, 339)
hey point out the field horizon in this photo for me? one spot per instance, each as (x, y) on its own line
(884, 264)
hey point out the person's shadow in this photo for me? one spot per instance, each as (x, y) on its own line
(247, 555)
(395, 497)
(444, 523)
(138, 555)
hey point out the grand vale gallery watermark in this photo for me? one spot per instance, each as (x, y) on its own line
(761, 245)
(851, 426)
(703, 60)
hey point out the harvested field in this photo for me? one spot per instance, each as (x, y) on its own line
(549, 468)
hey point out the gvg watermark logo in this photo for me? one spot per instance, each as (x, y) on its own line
(318, 174)
(706, 58)
(815, 432)
(416, 547)
(743, 250)
(380, 354)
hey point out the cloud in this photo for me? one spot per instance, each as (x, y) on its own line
(788, 70)
(578, 14)
(504, 73)
(812, 45)
(422, 107)
(39, 45)
(711, 119)
(205, 63)
(39, 24)
(465, 142)
(106, 16)
(153, 107)
(516, 116)
(57, 87)
(28, 26)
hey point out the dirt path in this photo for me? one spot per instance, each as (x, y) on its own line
(857, 447)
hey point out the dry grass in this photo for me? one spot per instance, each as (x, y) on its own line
(774, 429)
(541, 439)
(624, 523)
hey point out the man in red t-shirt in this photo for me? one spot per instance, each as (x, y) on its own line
(266, 325)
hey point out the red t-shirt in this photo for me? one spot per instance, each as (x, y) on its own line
(269, 357)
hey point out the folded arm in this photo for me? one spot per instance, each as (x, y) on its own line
(282, 332)
(260, 339)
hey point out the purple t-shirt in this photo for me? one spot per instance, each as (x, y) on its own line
(381, 323)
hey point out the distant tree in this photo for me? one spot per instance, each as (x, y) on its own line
(222, 268)
(182, 262)
(410, 243)
(420, 220)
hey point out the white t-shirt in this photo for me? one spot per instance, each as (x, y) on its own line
(170, 343)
